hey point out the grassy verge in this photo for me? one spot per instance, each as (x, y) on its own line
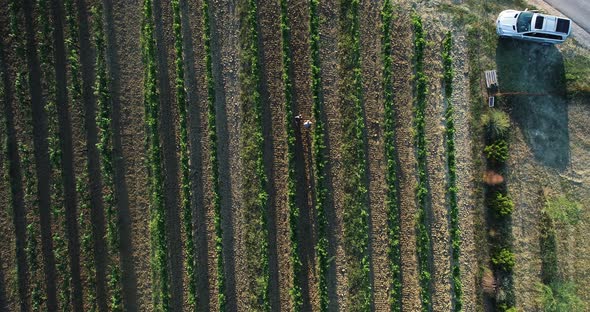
(423, 247)
(255, 183)
(455, 232)
(320, 158)
(105, 149)
(185, 196)
(160, 282)
(295, 259)
(393, 211)
(356, 199)
(212, 134)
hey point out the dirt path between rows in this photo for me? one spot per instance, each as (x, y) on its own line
(298, 15)
(225, 49)
(124, 24)
(12, 216)
(330, 60)
(466, 171)
(437, 167)
(371, 68)
(275, 154)
(403, 100)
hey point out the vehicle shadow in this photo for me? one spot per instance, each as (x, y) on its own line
(531, 79)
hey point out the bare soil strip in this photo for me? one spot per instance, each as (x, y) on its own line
(41, 156)
(225, 49)
(168, 115)
(123, 35)
(67, 161)
(275, 154)
(13, 233)
(191, 20)
(403, 99)
(466, 172)
(377, 164)
(436, 164)
(298, 15)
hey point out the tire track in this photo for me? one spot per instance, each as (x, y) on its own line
(67, 158)
(225, 49)
(168, 130)
(275, 154)
(402, 50)
(371, 68)
(41, 155)
(123, 26)
(91, 136)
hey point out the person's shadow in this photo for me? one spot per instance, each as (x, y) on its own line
(531, 80)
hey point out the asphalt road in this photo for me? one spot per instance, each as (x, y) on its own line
(577, 10)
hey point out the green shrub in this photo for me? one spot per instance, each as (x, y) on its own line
(502, 204)
(504, 259)
(496, 124)
(561, 209)
(560, 297)
(497, 151)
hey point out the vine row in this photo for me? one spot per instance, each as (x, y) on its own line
(393, 211)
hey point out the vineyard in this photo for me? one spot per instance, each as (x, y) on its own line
(322, 155)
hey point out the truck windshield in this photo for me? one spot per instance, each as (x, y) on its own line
(523, 23)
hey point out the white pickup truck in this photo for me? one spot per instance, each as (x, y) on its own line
(533, 26)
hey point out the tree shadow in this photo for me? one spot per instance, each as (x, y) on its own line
(531, 80)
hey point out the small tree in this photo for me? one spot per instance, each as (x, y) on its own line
(502, 204)
(496, 124)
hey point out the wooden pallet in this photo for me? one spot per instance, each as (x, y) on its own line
(491, 79)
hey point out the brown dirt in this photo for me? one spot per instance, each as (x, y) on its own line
(225, 28)
(466, 173)
(127, 73)
(275, 154)
(371, 66)
(330, 57)
(436, 164)
(402, 49)
(298, 14)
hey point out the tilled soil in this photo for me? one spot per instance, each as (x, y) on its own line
(403, 99)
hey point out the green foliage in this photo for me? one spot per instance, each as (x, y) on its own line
(497, 151)
(356, 201)
(105, 149)
(561, 209)
(82, 182)
(504, 259)
(422, 230)
(502, 204)
(26, 154)
(161, 288)
(212, 134)
(393, 211)
(295, 259)
(185, 196)
(496, 124)
(455, 232)
(255, 196)
(319, 155)
(560, 297)
(577, 73)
